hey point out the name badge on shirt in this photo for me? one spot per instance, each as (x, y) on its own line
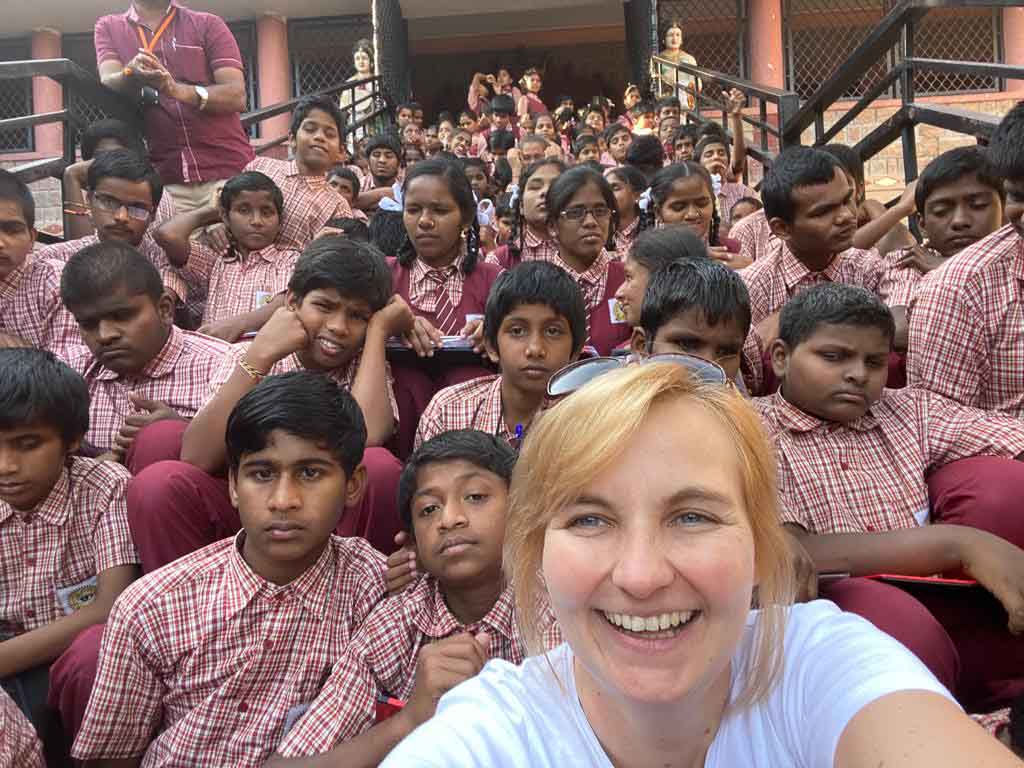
(76, 596)
(615, 312)
(262, 298)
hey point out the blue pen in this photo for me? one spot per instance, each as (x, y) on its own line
(519, 431)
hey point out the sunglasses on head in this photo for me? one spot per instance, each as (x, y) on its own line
(575, 375)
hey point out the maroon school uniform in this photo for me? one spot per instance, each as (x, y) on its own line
(475, 287)
(606, 324)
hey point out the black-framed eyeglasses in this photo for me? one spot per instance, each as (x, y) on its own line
(575, 375)
(579, 213)
(111, 204)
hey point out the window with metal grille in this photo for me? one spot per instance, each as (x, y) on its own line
(16, 99)
(245, 36)
(321, 50)
(714, 32)
(81, 50)
(961, 34)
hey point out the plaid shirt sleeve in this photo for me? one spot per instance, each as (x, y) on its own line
(19, 745)
(956, 431)
(431, 422)
(947, 351)
(124, 709)
(107, 499)
(752, 363)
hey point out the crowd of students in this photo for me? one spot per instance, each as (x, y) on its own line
(255, 457)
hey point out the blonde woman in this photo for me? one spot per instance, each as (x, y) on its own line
(650, 527)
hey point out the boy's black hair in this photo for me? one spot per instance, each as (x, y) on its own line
(585, 140)
(631, 176)
(503, 103)
(849, 158)
(100, 269)
(251, 181)
(128, 165)
(305, 404)
(646, 153)
(685, 132)
(536, 282)
(502, 175)
(1006, 145)
(661, 187)
(656, 248)
(387, 231)
(667, 101)
(16, 191)
(572, 181)
(458, 186)
(708, 140)
(612, 130)
(37, 388)
(110, 128)
(758, 205)
(488, 452)
(501, 140)
(325, 104)
(354, 229)
(356, 270)
(411, 106)
(473, 162)
(952, 166)
(832, 304)
(534, 138)
(384, 141)
(645, 106)
(794, 167)
(346, 173)
(705, 284)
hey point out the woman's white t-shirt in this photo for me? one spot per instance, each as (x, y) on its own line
(835, 664)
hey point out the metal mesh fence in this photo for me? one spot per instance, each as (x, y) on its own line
(80, 49)
(245, 36)
(392, 40)
(965, 34)
(321, 50)
(714, 32)
(637, 16)
(15, 99)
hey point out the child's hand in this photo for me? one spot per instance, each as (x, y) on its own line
(282, 335)
(423, 337)
(553, 151)
(804, 569)
(731, 260)
(442, 666)
(401, 565)
(998, 566)
(515, 161)
(768, 330)
(474, 331)
(216, 238)
(924, 260)
(147, 412)
(908, 202)
(735, 100)
(230, 329)
(395, 318)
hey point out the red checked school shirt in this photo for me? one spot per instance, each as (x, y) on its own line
(752, 233)
(533, 249)
(309, 201)
(473, 404)
(50, 557)
(179, 376)
(967, 326)
(382, 659)
(870, 475)
(204, 662)
(187, 146)
(31, 309)
(19, 745)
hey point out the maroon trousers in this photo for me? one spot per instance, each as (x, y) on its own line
(961, 635)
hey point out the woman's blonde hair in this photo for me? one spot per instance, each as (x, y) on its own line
(580, 438)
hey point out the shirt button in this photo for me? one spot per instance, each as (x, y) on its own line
(870, 527)
(30, 613)
(30, 561)
(844, 465)
(268, 644)
(243, 707)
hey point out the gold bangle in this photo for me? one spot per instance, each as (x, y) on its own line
(253, 372)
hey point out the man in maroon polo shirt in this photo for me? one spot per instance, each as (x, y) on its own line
(191, 60)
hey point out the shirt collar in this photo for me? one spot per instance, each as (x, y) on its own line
(491, 420)
(133, 15)
(794, 271)
(435, 619)
(795, 420)
(313, 588)
(594, 274)
(9, 285)
(162, 365)
(1018, 260)
(53, 510)
(421, 269)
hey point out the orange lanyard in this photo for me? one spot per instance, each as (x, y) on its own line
(148, 47)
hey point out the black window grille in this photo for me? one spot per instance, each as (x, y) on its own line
(245, 36)
(16, 99)
(714, 32)
(321, 50)
(960, 34)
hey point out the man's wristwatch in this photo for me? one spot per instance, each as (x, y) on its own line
(204, 96)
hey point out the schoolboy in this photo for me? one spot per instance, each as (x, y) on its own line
(453, 496)
(139, 367)
(314, 137)
(684, 140)
(534, 324)
(808, 203)
(697, 307)
(586, 149)
(31, 312)
(477, 176)
(404, 114)
(345, 182)
(386, 160)
(124, 191)
(336, 321)
(503, 109)
(209, 659)
(713, 153)
(861, 475)
(19, 745)
(968, 317)
(744, 207)
(254, 270)
(65, 549)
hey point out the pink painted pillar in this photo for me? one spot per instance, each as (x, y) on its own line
(1013, 43)
(47, 95)
(767, 65)
(275, 81)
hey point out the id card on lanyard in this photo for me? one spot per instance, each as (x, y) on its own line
(149, 45)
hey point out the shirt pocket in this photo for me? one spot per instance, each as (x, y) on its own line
(189, 64)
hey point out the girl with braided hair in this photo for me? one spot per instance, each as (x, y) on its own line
(530, 238)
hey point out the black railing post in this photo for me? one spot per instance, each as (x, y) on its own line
(907, 97)
(819, 125)
(69, 146)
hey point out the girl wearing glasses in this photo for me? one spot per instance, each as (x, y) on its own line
(659, 552)
(582, 219)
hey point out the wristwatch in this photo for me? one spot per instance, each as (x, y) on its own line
(204, 96)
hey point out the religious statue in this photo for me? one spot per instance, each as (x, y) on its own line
(668, 81)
